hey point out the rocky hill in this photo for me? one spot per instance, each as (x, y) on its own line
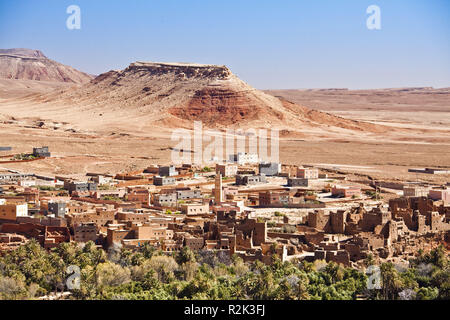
(176, 94)
(27, 64)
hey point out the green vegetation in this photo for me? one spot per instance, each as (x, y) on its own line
(24, 156)
(371, 194)
(207, 169)
(31, 271)
(171, 212)
(271, 224)
(278, 214)
(289, 229)
(111, 198)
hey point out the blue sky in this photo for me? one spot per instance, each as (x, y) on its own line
(269, 44)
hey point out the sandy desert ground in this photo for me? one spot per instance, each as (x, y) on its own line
(417, 135)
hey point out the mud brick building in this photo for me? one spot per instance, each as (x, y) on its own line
(319, 220)
(345, 192)
(362, 244)
(44, 221)
(376, 217)
(76, 207)
(307, 173)
(117, 193)
(47, 236)
(133, 216)
(194, 243)
(194, 208)
(332, 222)
(226, 170)
(251, 233)
(100, 217)
(30, 195)
(139, 195)
(10, 211)
(421, 214)
(118, 232)
(272, 198)
(85, 232)
(11, 241)
(172, 245)
(440, 194)
(151, 232)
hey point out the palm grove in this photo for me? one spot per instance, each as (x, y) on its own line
(31, 271)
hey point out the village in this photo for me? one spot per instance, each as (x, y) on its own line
(242, 207)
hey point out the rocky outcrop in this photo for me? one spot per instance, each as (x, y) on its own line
(223, 106)
(181, 70)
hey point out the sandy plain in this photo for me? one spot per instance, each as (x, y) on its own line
(418, 136)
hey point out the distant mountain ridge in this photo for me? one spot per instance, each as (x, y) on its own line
(22, 52)
(28, 64)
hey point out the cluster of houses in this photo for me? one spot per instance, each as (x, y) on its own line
(251, 209)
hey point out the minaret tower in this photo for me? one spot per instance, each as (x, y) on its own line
(218, 193)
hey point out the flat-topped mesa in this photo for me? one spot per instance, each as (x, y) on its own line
(184, 70)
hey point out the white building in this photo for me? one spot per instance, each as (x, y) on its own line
(415, 191)
(22, 210)
(244, 158)
(101, 179)
(27, 183)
